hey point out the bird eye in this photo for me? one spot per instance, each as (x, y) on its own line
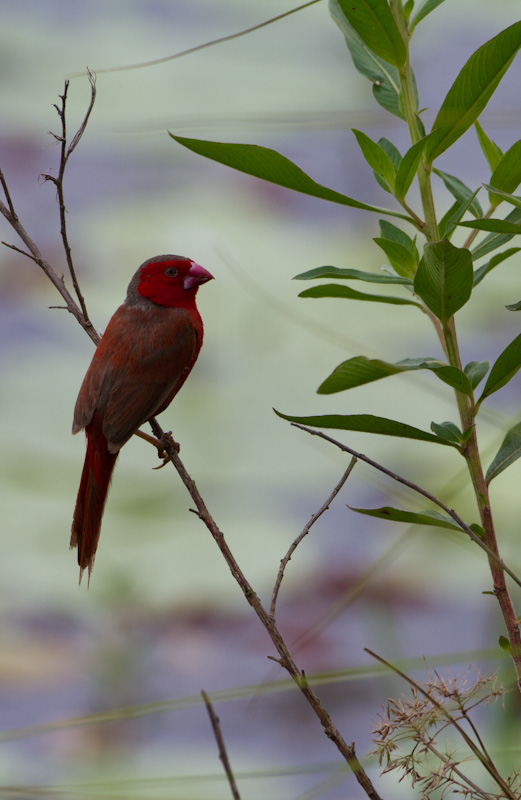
(171, 272)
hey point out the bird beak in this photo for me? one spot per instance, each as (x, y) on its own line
(195, 276)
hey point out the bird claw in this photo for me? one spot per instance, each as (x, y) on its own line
(167, 440)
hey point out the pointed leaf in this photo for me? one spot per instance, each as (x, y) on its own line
(447, 430)
(261, 162)
(507, 174)
(332, 290)
(374, 23)
(377, 158)
(448, 222)
(366, 423)
(472, 89)
(399, 256)
(480, 273)
(460, 192)
(361, 370)
(394, 234)
(499, 195)
(422, 12)
(493, 225)
(514, 306)
(495, 240)
(504, 368)
(354, 274)
(433, 518)
(490, 149)
(444, 278)
(476, 371)
(383, 76)
(409, 167)
(509, 452)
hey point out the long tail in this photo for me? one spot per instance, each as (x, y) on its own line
(95, 480)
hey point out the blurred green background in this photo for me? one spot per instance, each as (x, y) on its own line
(163, 618)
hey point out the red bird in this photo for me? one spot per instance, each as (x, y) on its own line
(144, 357)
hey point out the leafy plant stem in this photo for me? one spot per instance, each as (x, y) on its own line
(430, 226)
(467, 412)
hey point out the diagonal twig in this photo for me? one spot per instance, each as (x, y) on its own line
(223, 755)
(399, 479)
(307, 527)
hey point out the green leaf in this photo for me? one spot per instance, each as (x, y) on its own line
(408, 168)
(507, 174)
(448, 222)
(509, 452)
(493, 225)
(377, 158)
(460, 192)
(504, 643)
(422, 12)
(384, 77)
(353, 274)
(391, 150)
(366, 423)
(480, 273)
(497, 193)
(261, 162)
(476, 371)
(400, 257)
(394, 234)
(472, 89)
(490, 149)
(374, 23)
(431, 518)
(448, 431)
(504, 368)
(444, 278)
(360, 370)
(495, 240)
(332, 290)
(514, 306)
(395, 158)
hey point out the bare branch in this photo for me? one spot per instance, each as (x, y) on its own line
(66, 152)
(223, 755)
(285, 658)
(399, 479)
(307, 527)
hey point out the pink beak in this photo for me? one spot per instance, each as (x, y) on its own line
(195, 276)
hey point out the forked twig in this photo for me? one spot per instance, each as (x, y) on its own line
(66, 152)
(399, 479)
(307, 527)
(223, 755)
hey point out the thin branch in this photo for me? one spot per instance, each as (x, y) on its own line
(198, 47)
(485, 760)
(285, 659)
(66, 152)
(399, 479)
(223, 755)
(307, 527)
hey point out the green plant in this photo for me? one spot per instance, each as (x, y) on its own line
(433, 275)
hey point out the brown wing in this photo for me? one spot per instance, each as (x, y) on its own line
(139, 365)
